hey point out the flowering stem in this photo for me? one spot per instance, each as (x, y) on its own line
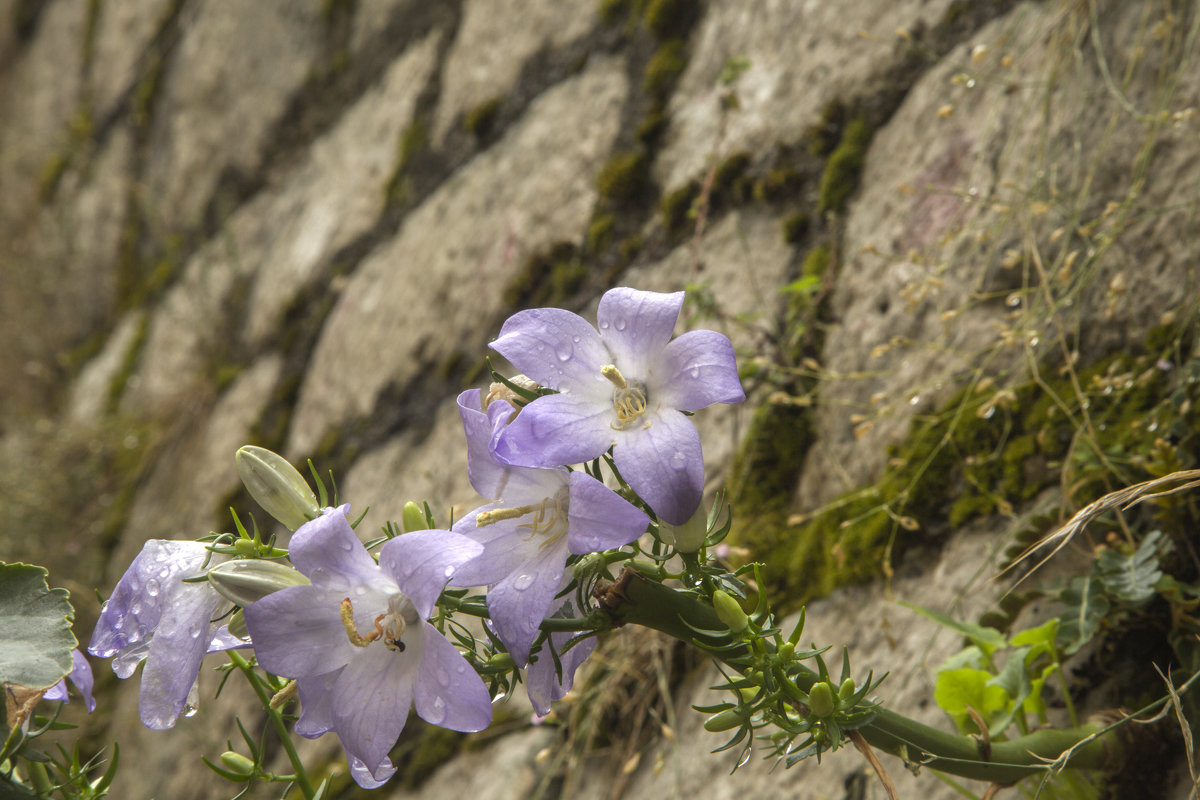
(1095, 745)
(264, 695)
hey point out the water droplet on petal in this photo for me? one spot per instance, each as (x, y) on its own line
(346, 545)
(604, 325)
(678, 461)
(619, 323)
(694, 372)
(443, 677)
(135, 607)
(152, 587)
(575, 339)
(523, 582)
(563, 351)
(448, 571)
(437, 712)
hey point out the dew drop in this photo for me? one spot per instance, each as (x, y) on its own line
(164, 572)
(604, 325)
(575, 339)
(563, 351)
(745, 757)
(448, 572)
(619, 323)
(194, 632)
(443, 677)
(346, 545)
(152, 587)
(135, 607)
(678, 461)
(694, 372)
(523, 582)
(190, 710)
(988, 412)
(499, 696)
(437, 712)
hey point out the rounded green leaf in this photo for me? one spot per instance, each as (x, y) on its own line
(35, 628)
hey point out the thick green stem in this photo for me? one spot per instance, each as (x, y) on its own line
(634, 599)
(277, 722)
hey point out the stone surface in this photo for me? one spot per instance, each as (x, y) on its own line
(446, 269)
(123, 32)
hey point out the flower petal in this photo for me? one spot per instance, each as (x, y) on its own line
(556, 348)
(176, 650)
(422, 561)
(486, 473)
(636, 326)
(599, 518)
(556, 430)
(506, 547)
(542, 682)
(371, 698)
(665, 466)
(316, 710)
(697, 370)
(298, 631)
(520, 602)
(328, 551)
(448, 692)
(368, 777)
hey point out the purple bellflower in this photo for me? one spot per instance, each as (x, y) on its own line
(537, 517)
(542, 682)
(80, 677)
(153, 615)
(624, 385)
(358, 643)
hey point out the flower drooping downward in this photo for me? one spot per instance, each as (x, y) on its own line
(358, 642)
(624, 385)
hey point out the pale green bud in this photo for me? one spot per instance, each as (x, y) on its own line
(276, 486)
(820, 699)
(847, 689)
(237, 625)
(412, 518)
(688, 537)
(725, 720)
(729, 611)
(243, 581)
(237, 763)
(501, 661)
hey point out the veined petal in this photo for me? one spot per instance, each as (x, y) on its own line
(371, 698)
(600, 519)
(636, 326)
(506, 547)
(697, 370)
(370, 777)
(485, 472)
(298, 632)
(316, 712)
(556, 430)
(541, 679)
(520, 602)
(555, 347)
(176, 650)
(327, 550)
(448, 692)
(665, 465)
(422, 561)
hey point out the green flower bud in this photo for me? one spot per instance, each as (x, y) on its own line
(847, 689)
(688, 537)
(786, 651)
(820, 699)
(725, 720)
(242, 581)
(237, 763)
(237, 625)
(276, 486)
(412, 518)
(502, 661)
(591, 564)
(729, 611)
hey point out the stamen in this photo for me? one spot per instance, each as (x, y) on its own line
(497, 514)
(357, 639)
(611, 372)
(549, 519)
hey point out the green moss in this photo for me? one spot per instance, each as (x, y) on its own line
(795, 227)
(729, 182)
(778, 184)
(481, 119)
(630, 247)
(613, 11)
(624, 177)
(422, 755)
(669, 19)
(600, 232)
(651, 128)
(675, 209)
(332, 9)
(664, 68)
(844, 167)
(547, 278)
(412, 141)
(116, 388)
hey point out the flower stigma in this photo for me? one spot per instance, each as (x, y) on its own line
(629, 398)
(549, 517)
(389, 626)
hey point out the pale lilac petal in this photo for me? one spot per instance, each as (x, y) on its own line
(636, 326)
(556, 348)
(520, 602)
(367, 777)
(298, 631)
(599, 518)
(57, 692)
(316, 712)
(422, 561)
(80, 677)
(665, 466)
(176, 650)
(697, 370)
(557, 430)
(371, 698)
(328, 551)
(485, 472)
(541, 680)
(448, 692)
(506, 547)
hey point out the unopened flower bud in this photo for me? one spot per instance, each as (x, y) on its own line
(847, 689)
(501, 661)
(243, 581)
(729, 611)
(237, 763)
(276, 486)
(820, 699)
(237, 625)
(591, 564)
(688, 537)
(725, 720)
(412, 518)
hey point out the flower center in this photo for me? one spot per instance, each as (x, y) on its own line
(389, 626)
(549, 518)
(629, 398)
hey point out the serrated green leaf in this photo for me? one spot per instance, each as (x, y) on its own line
(1132, 577)
(1086, 608)
(988, 640)
(35, 628)
(959, 688)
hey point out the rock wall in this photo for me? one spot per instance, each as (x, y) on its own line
(298, 224)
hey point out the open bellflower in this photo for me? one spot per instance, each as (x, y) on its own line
(537, 517)
(358, 642)
(625, 384)
(153, 615)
